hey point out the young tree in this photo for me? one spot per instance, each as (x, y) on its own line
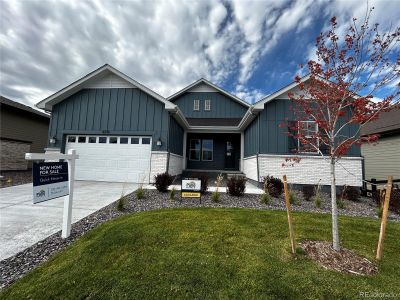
(339, 91)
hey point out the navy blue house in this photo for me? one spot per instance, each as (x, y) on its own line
(125, 132)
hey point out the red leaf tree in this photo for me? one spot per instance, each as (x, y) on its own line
(338, 93)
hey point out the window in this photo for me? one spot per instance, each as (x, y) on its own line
(82, 139)
(102, 140)
(123, 140)
(207, 150)
(134, 140)
(196, 105)
(308, 129)
(194, 150)
(92, 139)
(145, 141)
(71, 139)
(207, 105)
(113, 140)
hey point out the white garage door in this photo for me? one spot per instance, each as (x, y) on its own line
(111, 158)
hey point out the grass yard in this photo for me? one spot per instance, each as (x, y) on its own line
(209, 253)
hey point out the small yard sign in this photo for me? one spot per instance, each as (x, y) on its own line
(191, 188)
(50, 180)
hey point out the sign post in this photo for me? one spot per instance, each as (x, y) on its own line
(191, 188)
(58, 179)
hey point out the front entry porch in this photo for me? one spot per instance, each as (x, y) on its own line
(213, 151)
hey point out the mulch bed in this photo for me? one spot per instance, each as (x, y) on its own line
(18, 265)
(12, 178)
(344, 261)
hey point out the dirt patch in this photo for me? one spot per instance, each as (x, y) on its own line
(344, 261)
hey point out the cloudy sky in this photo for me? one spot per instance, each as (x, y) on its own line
(250, 48)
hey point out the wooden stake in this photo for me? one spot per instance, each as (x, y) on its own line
(384, 218)
(289, 214)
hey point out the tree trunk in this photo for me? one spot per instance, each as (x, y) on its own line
(335, 225)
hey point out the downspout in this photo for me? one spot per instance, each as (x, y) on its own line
(168, 153)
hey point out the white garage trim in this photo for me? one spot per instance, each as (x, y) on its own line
(111, 158)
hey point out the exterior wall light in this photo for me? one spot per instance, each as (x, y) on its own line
(53, 140)
(159, 143)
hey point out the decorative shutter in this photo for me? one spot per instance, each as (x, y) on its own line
(292, 141)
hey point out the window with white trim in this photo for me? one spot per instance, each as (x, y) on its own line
(308, 130)
(194, 149)
(196, 105)
(207, 150)
(207, 104)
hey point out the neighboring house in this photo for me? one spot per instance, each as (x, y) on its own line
(123, 131)
(22, 129)
(383, 158)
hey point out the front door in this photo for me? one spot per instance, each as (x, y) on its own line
(229, 155)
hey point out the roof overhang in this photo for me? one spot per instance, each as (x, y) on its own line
(49, 102)
(205, 81)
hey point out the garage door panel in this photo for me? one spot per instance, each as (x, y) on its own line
(112, 162)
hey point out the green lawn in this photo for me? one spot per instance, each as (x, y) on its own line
(209, 253)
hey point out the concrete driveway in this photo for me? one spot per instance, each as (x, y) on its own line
(23, 223)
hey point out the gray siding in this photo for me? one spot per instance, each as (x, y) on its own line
(221, 106)
(110, 111)
(268, 138)
(175, 139)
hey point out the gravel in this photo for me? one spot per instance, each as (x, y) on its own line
(18, 265)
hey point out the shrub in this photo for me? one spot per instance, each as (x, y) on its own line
(163, 181)
(215, 196)
(308, 192)
(340, 203)
(139, 193)
(272, 185)
(379, 212)
(265, 198)
(172, 193)
(317, 201)
(204, 181)
(351, 193)
(121, 204)
(293, 197)
(236, 185)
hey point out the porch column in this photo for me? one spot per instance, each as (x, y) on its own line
(184, 150)
(241, 151)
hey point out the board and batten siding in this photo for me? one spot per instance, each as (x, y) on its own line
(265, 136)
(221, 105)
(382, 159)
(175, 139)
(119, 111)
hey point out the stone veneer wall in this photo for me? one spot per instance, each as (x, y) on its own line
(12, 155)
(175, 165)
(158, 163)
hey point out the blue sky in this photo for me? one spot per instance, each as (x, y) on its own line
(249, 48)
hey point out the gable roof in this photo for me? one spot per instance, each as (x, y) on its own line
(9, 102)
(260, 104)
(208, 83)
(74, 87)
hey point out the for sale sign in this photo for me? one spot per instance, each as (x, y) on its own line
(191, 188)
(50, 180)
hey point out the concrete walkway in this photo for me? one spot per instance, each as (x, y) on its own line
(23, 223)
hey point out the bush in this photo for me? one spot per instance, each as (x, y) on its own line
(215, 197)
(340, 203)
(272, 185)
(139, 193)
(317, 201)
(308, 192)
(163, 181)
(172, 194)
(265, 198)
(204, 181)
(236, 185)
(351, 193)
(121, 204)
(293, 197)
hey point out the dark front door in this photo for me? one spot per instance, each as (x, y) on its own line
(229, 155)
